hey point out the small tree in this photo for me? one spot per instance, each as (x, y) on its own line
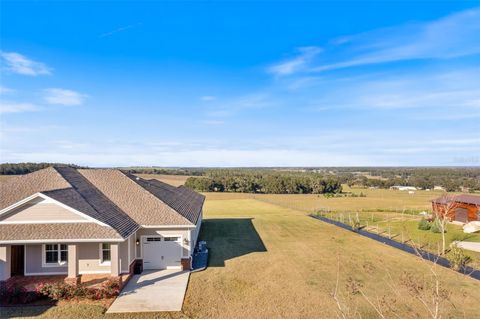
(457, 257)
(424, 224)
(443, 209)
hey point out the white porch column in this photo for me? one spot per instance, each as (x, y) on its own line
(115, 260)
(5, 256)
(72, 261)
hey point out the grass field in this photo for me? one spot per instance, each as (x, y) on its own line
(175, 180)
(6, 177)
(269, 261)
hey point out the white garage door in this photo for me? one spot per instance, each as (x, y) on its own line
(162, 252)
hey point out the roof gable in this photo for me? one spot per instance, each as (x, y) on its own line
(41, 209)
(20, 187)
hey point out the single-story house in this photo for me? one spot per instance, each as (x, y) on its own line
(66, 221)
(462, 208)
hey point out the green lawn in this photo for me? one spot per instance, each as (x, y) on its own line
(269, 261)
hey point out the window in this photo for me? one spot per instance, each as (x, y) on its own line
(55, 254)
(171, 239)
(153, 238)
(105, 253)
(63, 253)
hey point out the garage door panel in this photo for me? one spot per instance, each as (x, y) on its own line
(162, 252)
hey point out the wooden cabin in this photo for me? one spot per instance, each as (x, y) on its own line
(462, 208)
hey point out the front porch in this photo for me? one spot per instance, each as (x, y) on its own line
(71, 262)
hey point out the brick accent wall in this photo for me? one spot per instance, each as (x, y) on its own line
(186, 263)
(72, 281)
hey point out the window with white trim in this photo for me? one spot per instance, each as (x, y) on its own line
(55, 254)
(105, 253)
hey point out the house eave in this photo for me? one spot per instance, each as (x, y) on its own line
(47, 241)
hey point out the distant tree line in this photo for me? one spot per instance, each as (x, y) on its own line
(452, 179)
(264, 181)
(165, 171)
(25, 168)
(300, 180)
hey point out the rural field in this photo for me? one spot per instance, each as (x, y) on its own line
(175, 180)
(272, 261)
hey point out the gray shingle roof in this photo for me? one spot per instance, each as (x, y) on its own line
(104, 209)
(185, 201)
(122, 201)
(56, 231)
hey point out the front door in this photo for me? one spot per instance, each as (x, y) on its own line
(18, 260)
(461, 215)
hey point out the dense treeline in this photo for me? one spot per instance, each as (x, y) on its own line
(301, 180)
(452, 179)
(25, 168)
(264, 181)
(164, 171)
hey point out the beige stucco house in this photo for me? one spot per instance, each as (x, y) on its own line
(67, 221)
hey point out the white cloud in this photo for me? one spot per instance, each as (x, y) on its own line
(429, 94)
(15, 107)
(298, 63)
(213, 122)
(5, 90)
(63, 97)
(453, 36)
(120, 29)
(236, 105)
(20, 64)
(208, 98)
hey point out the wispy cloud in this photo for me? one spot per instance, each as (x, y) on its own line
(236, 105)
(427, 93)
(207, 98)
(213, 122)
(453, 36)
(16, 107)
(298, 63)
(117, 30)
(4, 90)
(20, 64)
(63, 97)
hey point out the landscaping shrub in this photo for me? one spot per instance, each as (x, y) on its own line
(16, 295)
(436, 226)
(111, 287)
(56, 291)
(64, 291)
(424, 224)
(457, 257)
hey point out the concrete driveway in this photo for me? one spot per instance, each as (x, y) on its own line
(153, 290)
(469, 245)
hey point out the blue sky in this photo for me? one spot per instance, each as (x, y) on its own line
(240, 84)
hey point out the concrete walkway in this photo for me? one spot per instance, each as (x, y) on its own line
(153, 290)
